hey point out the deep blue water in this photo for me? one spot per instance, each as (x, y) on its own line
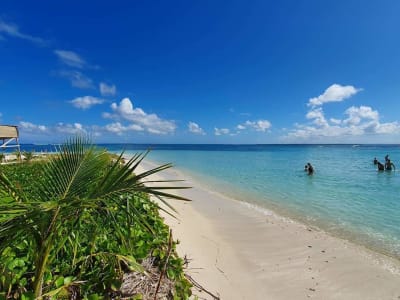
(346, 196)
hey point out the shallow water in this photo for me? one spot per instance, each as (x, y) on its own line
(346, 196)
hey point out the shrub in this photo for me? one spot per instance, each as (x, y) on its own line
(76, 223)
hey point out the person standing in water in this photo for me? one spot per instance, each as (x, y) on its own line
(389, 165)
(381, 167)
(310, 169)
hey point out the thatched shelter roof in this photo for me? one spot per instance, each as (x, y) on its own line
(9, 134)
(8, 131)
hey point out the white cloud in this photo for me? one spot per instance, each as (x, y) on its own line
(335, 121)
(116, 128)
(75, 128)
(259, 125)
(221, 131)
(30, 127)
(360, 122)
(149, 122)
(13, 30)
(334, 93)
(195, 128)
(85, 102)
(317, 115)
(387, 128)
(70, 58)
(119, 129)
(60, 131)
(107, 90)
(46, 133)
(78, 79)
(356, 114)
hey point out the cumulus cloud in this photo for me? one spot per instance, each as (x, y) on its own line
(55, 132)
(318, 117)
(357, 114)
(221, 131)
(259, 125)
(358, 122)
(74, 128)
(77, 79)
(136, 116)
(13, 31)
(119, 129)
(30, 127)
(334, 93)
(107, 90)
(59, 131)
(195, 128)
(85, 102)
(335, 121)
(70, 58)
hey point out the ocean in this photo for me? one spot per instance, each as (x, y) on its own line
(346, 196)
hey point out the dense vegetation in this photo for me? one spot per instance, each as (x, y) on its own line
(73, 225)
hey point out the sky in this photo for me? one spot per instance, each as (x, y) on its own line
(210, 71)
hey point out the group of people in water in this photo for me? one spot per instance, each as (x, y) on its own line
(387, 166)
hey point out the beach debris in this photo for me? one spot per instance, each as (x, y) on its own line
(145, 284)
(152, 283)
(200, 288)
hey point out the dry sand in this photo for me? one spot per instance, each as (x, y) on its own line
(239, 252)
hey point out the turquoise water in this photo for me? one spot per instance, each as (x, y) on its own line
(346, 196)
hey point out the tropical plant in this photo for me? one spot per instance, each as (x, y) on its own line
(17, 154)
(53, 234)
(28, 155)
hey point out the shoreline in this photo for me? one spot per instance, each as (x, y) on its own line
(252, 201)
(240, 252)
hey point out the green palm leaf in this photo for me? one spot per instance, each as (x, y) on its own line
(79, 187)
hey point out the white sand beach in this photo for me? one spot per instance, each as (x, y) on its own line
(239, 252)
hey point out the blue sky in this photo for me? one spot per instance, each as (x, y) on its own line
(201, 71)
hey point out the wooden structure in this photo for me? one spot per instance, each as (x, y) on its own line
(9, 135)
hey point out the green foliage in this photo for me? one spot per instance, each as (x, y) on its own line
(77, 222)
(28, 155)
